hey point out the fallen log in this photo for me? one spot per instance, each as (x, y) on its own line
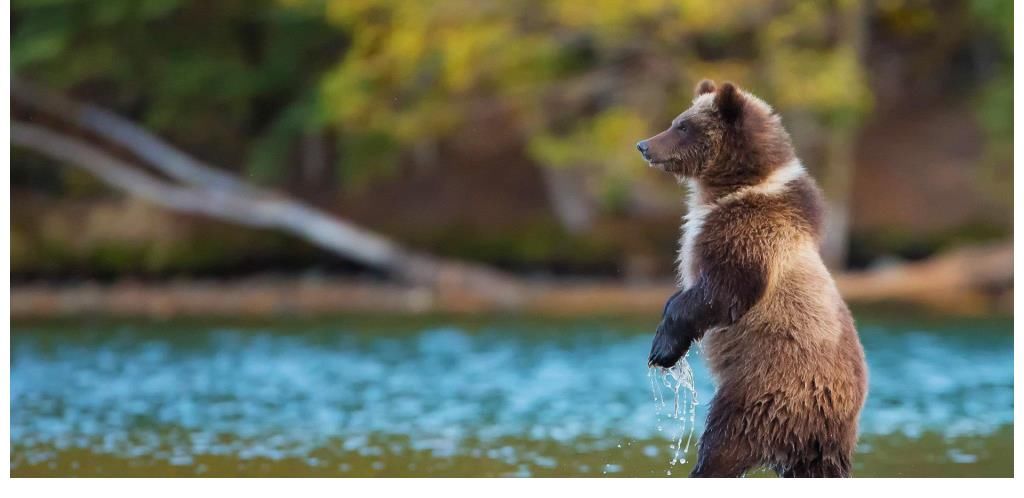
(191, 186)
(967, 279)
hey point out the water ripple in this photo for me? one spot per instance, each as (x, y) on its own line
(261, 394)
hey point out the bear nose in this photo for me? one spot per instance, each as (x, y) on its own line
(642, 147)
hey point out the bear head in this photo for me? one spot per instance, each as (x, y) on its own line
(727, 138)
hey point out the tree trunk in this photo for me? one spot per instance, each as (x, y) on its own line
(840, 164)
(836, 185)
(569, 199)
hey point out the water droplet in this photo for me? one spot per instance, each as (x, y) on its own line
(677, 379)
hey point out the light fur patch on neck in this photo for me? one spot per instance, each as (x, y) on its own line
(698, 209)
(774, 184)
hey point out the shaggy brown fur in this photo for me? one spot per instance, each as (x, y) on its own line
(777, 336)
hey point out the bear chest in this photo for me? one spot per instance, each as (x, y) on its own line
(688, 262)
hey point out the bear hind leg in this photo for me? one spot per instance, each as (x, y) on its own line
(723, 459)
(831, 464)
(724, 450)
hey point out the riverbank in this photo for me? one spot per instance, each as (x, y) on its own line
(975, 280)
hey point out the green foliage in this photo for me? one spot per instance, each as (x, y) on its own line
(203, 249)
(226, 78)
(996, 16)
(582, 81)
(603, 144)
(994, 102)
(366, 156)
(587, 80)
(540, 244)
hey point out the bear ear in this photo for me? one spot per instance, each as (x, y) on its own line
(729, 102)
(705, 86)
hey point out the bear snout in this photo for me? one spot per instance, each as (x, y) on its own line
(643, 148)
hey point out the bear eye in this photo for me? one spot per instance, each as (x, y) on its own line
(681, 127)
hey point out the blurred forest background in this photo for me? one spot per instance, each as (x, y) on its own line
(498, 133)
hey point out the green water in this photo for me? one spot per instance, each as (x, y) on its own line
(502, 396)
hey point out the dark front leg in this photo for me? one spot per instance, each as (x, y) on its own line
(671, 340)
(671, 299)
(688, 314)
(682, 322)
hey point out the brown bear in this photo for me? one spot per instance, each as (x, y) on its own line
(778, 338)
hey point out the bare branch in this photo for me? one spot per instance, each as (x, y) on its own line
(111, 170)
(124, 133)
(273, 212)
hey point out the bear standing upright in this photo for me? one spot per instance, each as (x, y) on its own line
(776, 334)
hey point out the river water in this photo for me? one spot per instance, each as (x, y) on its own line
(442, 396)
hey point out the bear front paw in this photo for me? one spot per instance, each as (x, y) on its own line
(668, 346)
